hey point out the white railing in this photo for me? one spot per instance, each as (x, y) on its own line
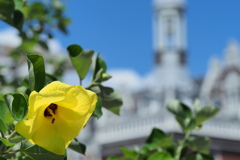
(141, 127)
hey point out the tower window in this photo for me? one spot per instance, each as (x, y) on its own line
(170, 37)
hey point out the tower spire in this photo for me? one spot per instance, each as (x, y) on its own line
(169, 31)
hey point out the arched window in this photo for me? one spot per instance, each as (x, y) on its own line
(170, 35)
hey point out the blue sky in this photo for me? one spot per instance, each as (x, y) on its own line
(121, 30)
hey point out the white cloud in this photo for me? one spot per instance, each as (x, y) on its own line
(55, 46)
(124, 79)
(9, 37)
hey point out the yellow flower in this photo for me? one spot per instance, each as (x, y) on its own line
(56, 115)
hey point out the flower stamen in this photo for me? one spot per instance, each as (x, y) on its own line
(50, 111)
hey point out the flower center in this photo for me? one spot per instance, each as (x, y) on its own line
(50, 111)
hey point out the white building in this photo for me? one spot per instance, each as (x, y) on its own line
(145, 105)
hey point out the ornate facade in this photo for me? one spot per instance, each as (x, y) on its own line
(145, 107)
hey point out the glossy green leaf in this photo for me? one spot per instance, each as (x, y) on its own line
(77, 146)
(129, 153)
(37, 153)
(98, 110)
(206, 113)
(17, 105)
(161, 156)
(81, 59)
(36, 72)
(3, 126)
(3, 108)
(6, 142)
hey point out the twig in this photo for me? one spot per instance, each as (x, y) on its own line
(12, 152)
(180, 147)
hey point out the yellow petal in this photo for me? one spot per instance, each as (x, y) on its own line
(55, 86)
(28, 127)
(68, 129)
(37, 100)
(93, 100)
(24, 127)
(47, 138)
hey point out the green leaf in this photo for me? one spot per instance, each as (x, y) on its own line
(106, 77)
(37, 153)
(49, 78)
(197, 106)
(157, 139)
(182, 114)
(19, 3)
(17, 105)
(111, 99)
(161, 156)
(3, 108)
(81, 59)
(9, 15)
(36, 72)
(77, 146)
(6, 10)
(100, 68)
(8, 118)
(98, 110)
(199, 144)
(179, 109)
(187, 124)
(129, 153)
(16, 139)
(6, 142)
(18, 19)
(206, 113)
(74, 50)
(2, 97)
(3, 126)
(43, 44)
